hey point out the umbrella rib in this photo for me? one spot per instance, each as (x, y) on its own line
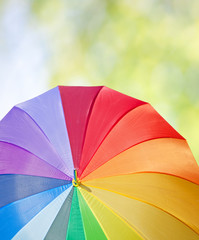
(27, 184)
(140, 172)
(37, 125)
(140, 200)
(83, 209)
(37, 157)
(88, 118)
(37, 194)
(44, 210)
(96, 218)
(150, 139)
(61, 160)
(112, 211)
(68, 198)
(138, 107)
(144, 103)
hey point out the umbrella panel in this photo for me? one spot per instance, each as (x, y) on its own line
(125, 130)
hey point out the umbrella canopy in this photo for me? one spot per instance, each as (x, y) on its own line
(93, 163)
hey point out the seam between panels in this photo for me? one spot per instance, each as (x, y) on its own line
(69, 185)
(72, 189)
(38, 127)
(112, 211)
(150, 139)
(84, 134)
(81, 215)
(52, 146)
(144, 103)
(69, 221)
(41, 131)
(140, 172)
(59, 211)
(95, 216)
(24, 149)
(35, 216)
(20, 200)
(58, 87)
(140, 200)
(88, 120)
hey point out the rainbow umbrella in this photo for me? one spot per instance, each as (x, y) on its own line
(93, 163)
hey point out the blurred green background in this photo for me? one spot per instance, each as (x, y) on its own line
(148, 49)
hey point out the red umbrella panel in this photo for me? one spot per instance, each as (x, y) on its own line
(93, 163)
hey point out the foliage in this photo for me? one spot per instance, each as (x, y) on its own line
(148, 49)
